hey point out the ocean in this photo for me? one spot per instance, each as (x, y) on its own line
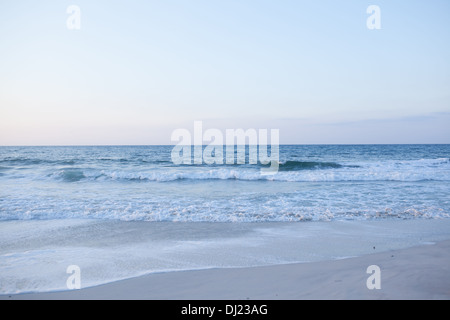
(140, 183)
(117, 212)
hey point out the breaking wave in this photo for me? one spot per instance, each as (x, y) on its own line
(292, 171)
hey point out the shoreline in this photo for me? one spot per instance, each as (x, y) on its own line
(420, 272)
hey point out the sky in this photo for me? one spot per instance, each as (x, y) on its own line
(136, 71)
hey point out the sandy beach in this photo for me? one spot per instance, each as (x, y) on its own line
(420, 272)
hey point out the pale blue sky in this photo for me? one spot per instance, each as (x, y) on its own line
(137, 70)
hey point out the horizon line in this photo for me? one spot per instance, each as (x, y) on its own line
(169, 145)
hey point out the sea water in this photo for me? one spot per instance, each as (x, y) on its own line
(119, 212)
(316, 183)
